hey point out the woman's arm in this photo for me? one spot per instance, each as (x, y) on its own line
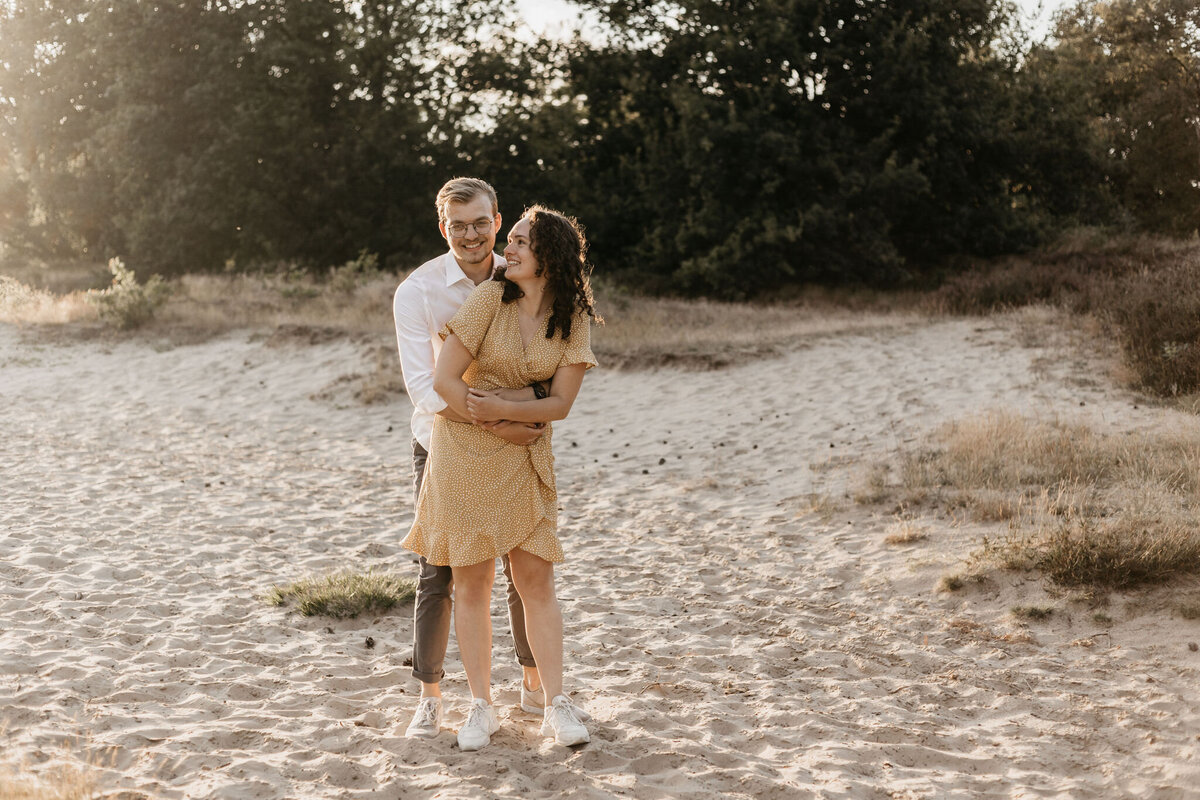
(565, 387)
(447, 382)
(452, 362)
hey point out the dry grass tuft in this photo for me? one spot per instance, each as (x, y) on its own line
(1189, 609)
(23, 305)
(977, 631)
(873, 486)
(1032, 612)
(65, 778)
(819, 503)
(344, 594)
(905, 530)
(1144, 290)
(64, 782)
(951, 583)
(355, 300)
(1110, 511)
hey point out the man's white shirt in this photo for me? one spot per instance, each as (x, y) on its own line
(424, 302)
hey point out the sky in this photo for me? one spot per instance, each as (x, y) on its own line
(550, 16)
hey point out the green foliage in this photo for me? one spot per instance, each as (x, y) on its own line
(352, 274)
(344, 594)
(1157, 316)
(1134, 69)
(720, 148)
(732, 148)
(187, 134)
(126, 303)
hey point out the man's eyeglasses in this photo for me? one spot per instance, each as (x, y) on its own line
(480, 227)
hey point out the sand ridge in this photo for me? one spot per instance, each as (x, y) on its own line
(728, 640)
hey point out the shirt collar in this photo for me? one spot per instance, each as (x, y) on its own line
(454, 272)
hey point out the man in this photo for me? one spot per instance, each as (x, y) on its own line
(469, 219)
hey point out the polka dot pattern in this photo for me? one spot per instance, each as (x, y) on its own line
(483, 496)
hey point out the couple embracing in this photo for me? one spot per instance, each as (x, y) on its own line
(493, 349)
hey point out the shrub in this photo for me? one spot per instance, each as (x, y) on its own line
(126, 303)
(350, 275)
(1147, 292)
(1087, 508)
(1157, 317)
(344, 594)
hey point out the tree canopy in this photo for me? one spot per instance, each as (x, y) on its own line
(718, 147)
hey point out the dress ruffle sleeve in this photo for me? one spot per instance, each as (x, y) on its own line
(473, 318)
(579, 343)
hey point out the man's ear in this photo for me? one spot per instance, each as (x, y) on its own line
(442, 228)
(499, 223)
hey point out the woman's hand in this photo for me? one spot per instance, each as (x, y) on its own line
(485, 405)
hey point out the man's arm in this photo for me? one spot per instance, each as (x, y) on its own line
(416, 353)
(488, 406)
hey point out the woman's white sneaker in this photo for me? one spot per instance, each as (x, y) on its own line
(561, 721)
(427, 719)
(533, 701)
(481, 723)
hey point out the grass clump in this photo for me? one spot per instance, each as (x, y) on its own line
(63, 781)
(127, 304)
(904, 530)
(23, 304)
(1144, 290)
(951, 583)
(344, 594)
(1190, 610)
(1032, 612)
(1089, 509)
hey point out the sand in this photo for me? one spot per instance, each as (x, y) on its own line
(729, 639)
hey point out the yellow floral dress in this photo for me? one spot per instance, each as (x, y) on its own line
(483, 496)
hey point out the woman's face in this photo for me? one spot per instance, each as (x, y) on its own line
(522, 264)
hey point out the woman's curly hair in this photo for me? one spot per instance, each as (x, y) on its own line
(558, 244)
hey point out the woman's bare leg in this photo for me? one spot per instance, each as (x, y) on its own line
(534, 578)
(473, 624)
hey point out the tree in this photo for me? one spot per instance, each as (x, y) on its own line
(733, 147)
(181, 134)
(1137, 68)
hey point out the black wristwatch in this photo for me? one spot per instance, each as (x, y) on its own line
(539, 391)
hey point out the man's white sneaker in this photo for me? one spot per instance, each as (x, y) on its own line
(427, 719)
(481, 723)
(533, 701)
(562, 721)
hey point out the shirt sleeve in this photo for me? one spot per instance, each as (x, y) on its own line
(473, 319)
(579, 343)
(416, 351)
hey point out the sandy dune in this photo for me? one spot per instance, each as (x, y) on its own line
(728, 640)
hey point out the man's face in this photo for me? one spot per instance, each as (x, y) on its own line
(470, 229)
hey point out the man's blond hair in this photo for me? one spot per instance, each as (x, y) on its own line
(464, 190)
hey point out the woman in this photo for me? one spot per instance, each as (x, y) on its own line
(484, 497)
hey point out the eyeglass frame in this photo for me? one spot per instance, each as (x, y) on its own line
(473, 225)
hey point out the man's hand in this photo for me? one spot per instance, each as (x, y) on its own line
(485, 405)
(522, 433)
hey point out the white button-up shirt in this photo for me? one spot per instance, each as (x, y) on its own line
(425, 301)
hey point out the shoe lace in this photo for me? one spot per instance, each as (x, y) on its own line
(476, 717)
(566, 713)
(426, 713)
